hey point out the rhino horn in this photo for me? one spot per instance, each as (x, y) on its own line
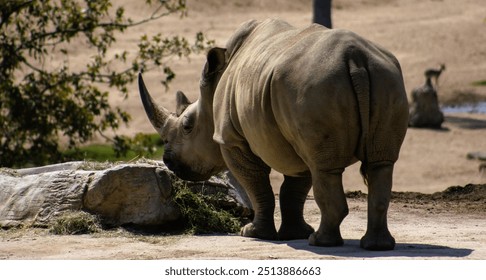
(158, 116)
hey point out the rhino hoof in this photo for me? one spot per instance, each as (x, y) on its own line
(325, 240)
(378, 242)
(295, 232)
(250, 230)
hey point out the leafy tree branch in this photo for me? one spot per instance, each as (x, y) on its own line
(45, 101)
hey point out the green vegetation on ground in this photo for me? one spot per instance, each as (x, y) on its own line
(142, 145)
(201, 213)
(479, 83)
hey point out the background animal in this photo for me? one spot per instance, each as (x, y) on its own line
(434, 73)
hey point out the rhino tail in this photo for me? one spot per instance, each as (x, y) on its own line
(361, 85)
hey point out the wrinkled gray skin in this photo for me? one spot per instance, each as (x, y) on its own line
(305, 102)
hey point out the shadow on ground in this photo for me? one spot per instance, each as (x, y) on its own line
(351, 249)
(466, 123)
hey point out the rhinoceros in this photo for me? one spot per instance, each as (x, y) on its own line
(304, 102)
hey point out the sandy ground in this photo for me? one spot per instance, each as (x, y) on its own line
(423, 230)
(422, 34)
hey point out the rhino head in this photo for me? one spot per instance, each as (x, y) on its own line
(189, 149)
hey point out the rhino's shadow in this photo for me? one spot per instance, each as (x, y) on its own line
(351, 249)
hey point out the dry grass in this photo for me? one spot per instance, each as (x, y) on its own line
(200, 213)
(75, 222)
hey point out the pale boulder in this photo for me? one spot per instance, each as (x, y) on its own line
(126, 194)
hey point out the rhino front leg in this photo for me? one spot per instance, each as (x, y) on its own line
(377, 235)
(293, 195)
(329, 196)
(253, 174)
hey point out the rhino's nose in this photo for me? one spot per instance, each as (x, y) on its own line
(168, 162)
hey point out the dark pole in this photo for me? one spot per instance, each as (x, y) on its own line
(322, 12)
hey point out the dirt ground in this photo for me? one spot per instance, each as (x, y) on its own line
(422, 34)
(425, 227)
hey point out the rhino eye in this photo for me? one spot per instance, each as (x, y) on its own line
(187, 125)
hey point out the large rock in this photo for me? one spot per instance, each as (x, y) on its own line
(131, 194)
(424, 109)
(35, 199)
(136, 194)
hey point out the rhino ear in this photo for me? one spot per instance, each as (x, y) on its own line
(182, 102)
(216, 60)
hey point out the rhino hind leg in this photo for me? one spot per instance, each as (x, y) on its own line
(253, 175)
(293, 195)
(329, 196)
(378, 237)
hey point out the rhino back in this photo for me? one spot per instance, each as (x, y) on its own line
(242, 103)
(287, 93)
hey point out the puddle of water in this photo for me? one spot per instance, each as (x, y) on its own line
(478, 108)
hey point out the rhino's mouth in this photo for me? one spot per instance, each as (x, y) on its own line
(184, 171)
(189, 175)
